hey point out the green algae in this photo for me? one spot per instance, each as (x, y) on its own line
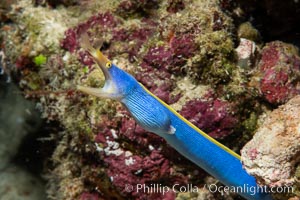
(215, 61)
(40, 60)
(250, 124)
(33, 81)
(247, 31)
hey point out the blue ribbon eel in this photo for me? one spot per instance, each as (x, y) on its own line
(156, 116)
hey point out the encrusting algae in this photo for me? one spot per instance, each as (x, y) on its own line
(183, 51)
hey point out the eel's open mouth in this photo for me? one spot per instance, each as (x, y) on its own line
(109, 90)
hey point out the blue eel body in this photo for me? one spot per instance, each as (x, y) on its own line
(156, 116)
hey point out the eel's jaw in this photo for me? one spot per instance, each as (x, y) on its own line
(99, 58)
(89, 90)
(105, 92)
(102, 61)
(109, 90)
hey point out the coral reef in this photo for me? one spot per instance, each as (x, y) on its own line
(128, 8)
(280, 72)
(175, 6)
(184, 51)
(125, 169)
(273, 154)
(214, 116)
(246, 53)
(172, 55)
(247, 31)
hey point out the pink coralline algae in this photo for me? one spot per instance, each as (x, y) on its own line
(134, 169)
(173, 55)
(132, 34)
(160, 56)
(136, 134)
(183, 47)
(280, 68)
(124, 39)
(123, 151)
(89, 196)
(23, 62)
(133, 38)
(160, 62)
(158, 82)
(72, 35)
(214, 116)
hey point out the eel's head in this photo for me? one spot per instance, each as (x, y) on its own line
(118, 83)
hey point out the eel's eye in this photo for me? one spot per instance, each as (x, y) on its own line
(108, 65)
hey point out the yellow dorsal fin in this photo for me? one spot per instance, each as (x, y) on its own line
(193, 126)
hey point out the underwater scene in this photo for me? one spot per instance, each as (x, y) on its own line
(149, 100)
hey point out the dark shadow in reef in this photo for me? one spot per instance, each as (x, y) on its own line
(276, 20)
(23, 134)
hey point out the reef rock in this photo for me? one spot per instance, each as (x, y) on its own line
(181, 51)
(280, 69)
(271, 156)
(245, 52)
